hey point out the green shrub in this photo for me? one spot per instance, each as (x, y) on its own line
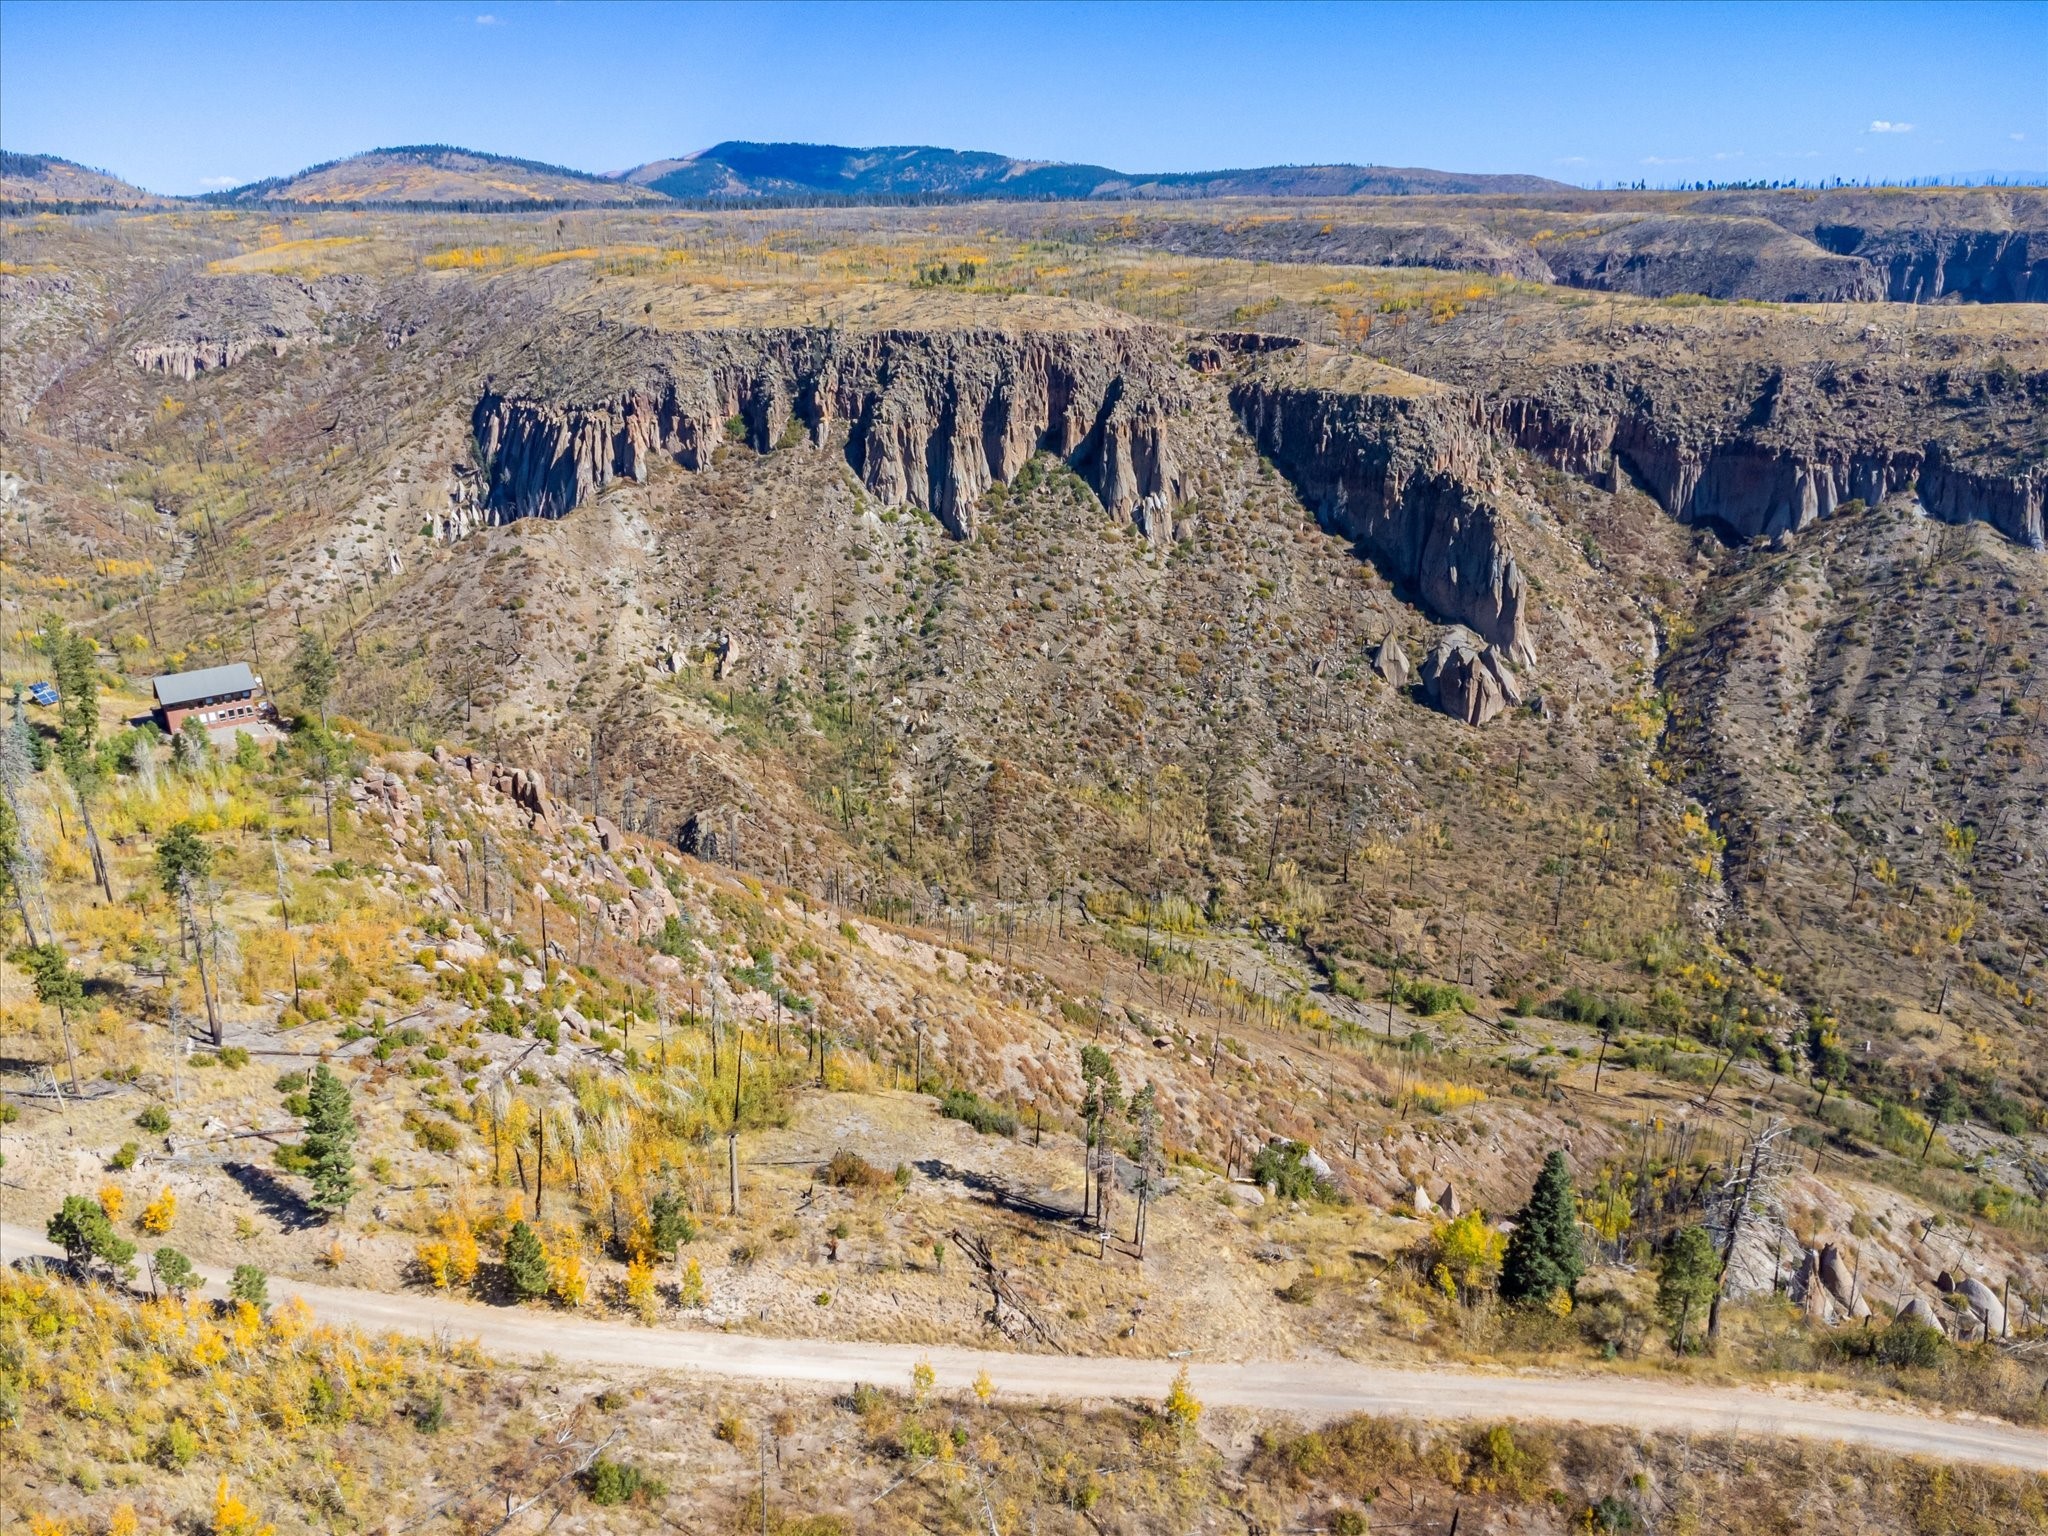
(174, 1271)
(1282, 1167)
(671, 1224)
(989, 1119)
(433, 1135)
(526, 1262)
(174, 1449)
(124, 1159)
(1906, 1343)
(1609, 1015)
(155, 1118)
(233, 1056)
(619, 1482)
(1430, 998)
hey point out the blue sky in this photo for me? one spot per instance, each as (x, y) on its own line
(184, 97)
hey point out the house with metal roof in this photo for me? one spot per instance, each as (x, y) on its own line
(217, 696)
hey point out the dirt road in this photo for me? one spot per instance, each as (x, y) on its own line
(1317, 1389)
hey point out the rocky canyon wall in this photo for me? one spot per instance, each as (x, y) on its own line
(1775, 461)
(1400, 476)
(932, 418)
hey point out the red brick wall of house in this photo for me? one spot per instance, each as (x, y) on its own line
(245, 709)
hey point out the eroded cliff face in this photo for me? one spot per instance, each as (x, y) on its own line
(932, 418)
(1978, 266)
(1401, 476)
(214, 321)
(1776, 459)
(1723, 258)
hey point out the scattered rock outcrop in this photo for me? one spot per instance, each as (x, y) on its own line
(1398, 473)
(710, 835)
(932, 419)
(524, 787)
(1986, 1304)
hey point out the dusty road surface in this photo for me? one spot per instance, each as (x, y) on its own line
(1318, 1389)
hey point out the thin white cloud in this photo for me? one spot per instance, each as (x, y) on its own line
(218, 181)
(1886, 125)
(1729, 154)
(1667, 159)
(2017, 138)
(488, 20)
(1569, 160)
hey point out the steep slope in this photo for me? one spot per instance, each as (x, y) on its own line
(1863, 713)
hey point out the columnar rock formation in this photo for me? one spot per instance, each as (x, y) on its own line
(932, 418)
(189, 358)
(1399, 474)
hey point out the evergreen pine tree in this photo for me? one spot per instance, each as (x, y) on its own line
(1543, 1255)
(526, 1265)
(250, 1284)
(175, 1271)
(82, 1230)
(330, 1140)
(1687, 1279)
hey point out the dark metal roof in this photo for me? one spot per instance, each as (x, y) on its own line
(207, 683)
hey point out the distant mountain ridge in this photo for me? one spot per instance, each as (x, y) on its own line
(436, 175)
(46, 181)
(449, 176)
(743, 169)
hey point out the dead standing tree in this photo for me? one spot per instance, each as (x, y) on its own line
(1751, 1202)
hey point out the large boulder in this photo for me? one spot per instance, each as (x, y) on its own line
(1918, 1309)
(1985, 1303)
(1841, 1282)
(1391, 662)
(1467, 679)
